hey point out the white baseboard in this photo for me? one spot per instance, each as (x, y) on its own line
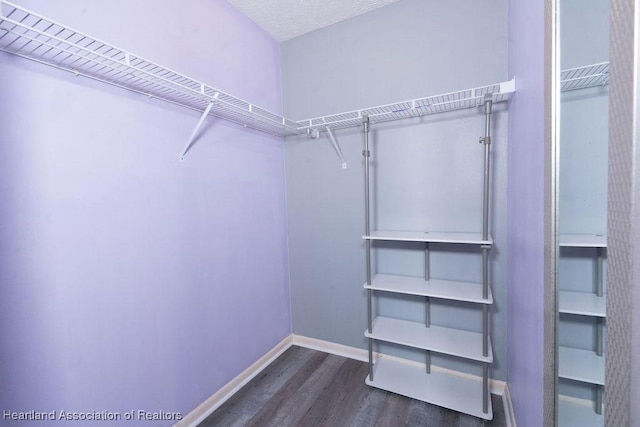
(331, 348)
(218, 398)
(496, 386)
(509, 415)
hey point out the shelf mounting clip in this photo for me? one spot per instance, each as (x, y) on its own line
(198, 126)
(336, 146)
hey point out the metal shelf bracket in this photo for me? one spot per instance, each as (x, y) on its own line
(313, 133)
(336, 146)
(198, 126)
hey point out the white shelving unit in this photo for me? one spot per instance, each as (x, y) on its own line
(586, 366)
(460, 393)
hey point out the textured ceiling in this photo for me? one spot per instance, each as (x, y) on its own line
(286, 19)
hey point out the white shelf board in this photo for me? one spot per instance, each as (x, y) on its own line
(435, 288)
(448, 391)
(575, 415)
(582, 303)
(580, 365)
(464, 99)
(32, 36)
(429, 236)
(583, 77)
(583, 240)
(454, 342)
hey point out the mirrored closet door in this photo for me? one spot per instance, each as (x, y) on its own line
(582, 211)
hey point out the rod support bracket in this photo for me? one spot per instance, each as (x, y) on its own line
(313, 133)
(488, 102)
(336, 146)
(204, 115)
(485, 140)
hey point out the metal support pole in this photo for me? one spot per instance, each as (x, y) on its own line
(427, 276)
(485, 388)
(599, 272)
(485, 272)
(427, 303)
(599, 292)
(367, 230)
(599, 337)
(486, 140)
(599, 403)
(485, 330)
(485, 307)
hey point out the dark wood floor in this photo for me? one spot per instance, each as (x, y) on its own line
(305, 387)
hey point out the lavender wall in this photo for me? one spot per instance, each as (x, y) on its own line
(526, 212)
(129, 280)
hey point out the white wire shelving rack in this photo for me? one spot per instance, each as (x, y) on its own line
(452, 101)
(584, 77)
(459, 100)
(32, 36)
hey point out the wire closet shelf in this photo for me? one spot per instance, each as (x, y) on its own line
(29, 35)
(32, 36)
(584, 77)
(463, 99)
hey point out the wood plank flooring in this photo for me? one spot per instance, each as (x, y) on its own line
(305, 387)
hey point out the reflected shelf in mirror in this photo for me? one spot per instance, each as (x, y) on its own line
(584, 77)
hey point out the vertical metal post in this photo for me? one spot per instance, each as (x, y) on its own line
(486, 140)
(427, 276)
(485, 388)
(599, 272)
(599, 292)
(485, 271)
(427, 303)
(367, 229)
(485, 330)
(599, 399)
